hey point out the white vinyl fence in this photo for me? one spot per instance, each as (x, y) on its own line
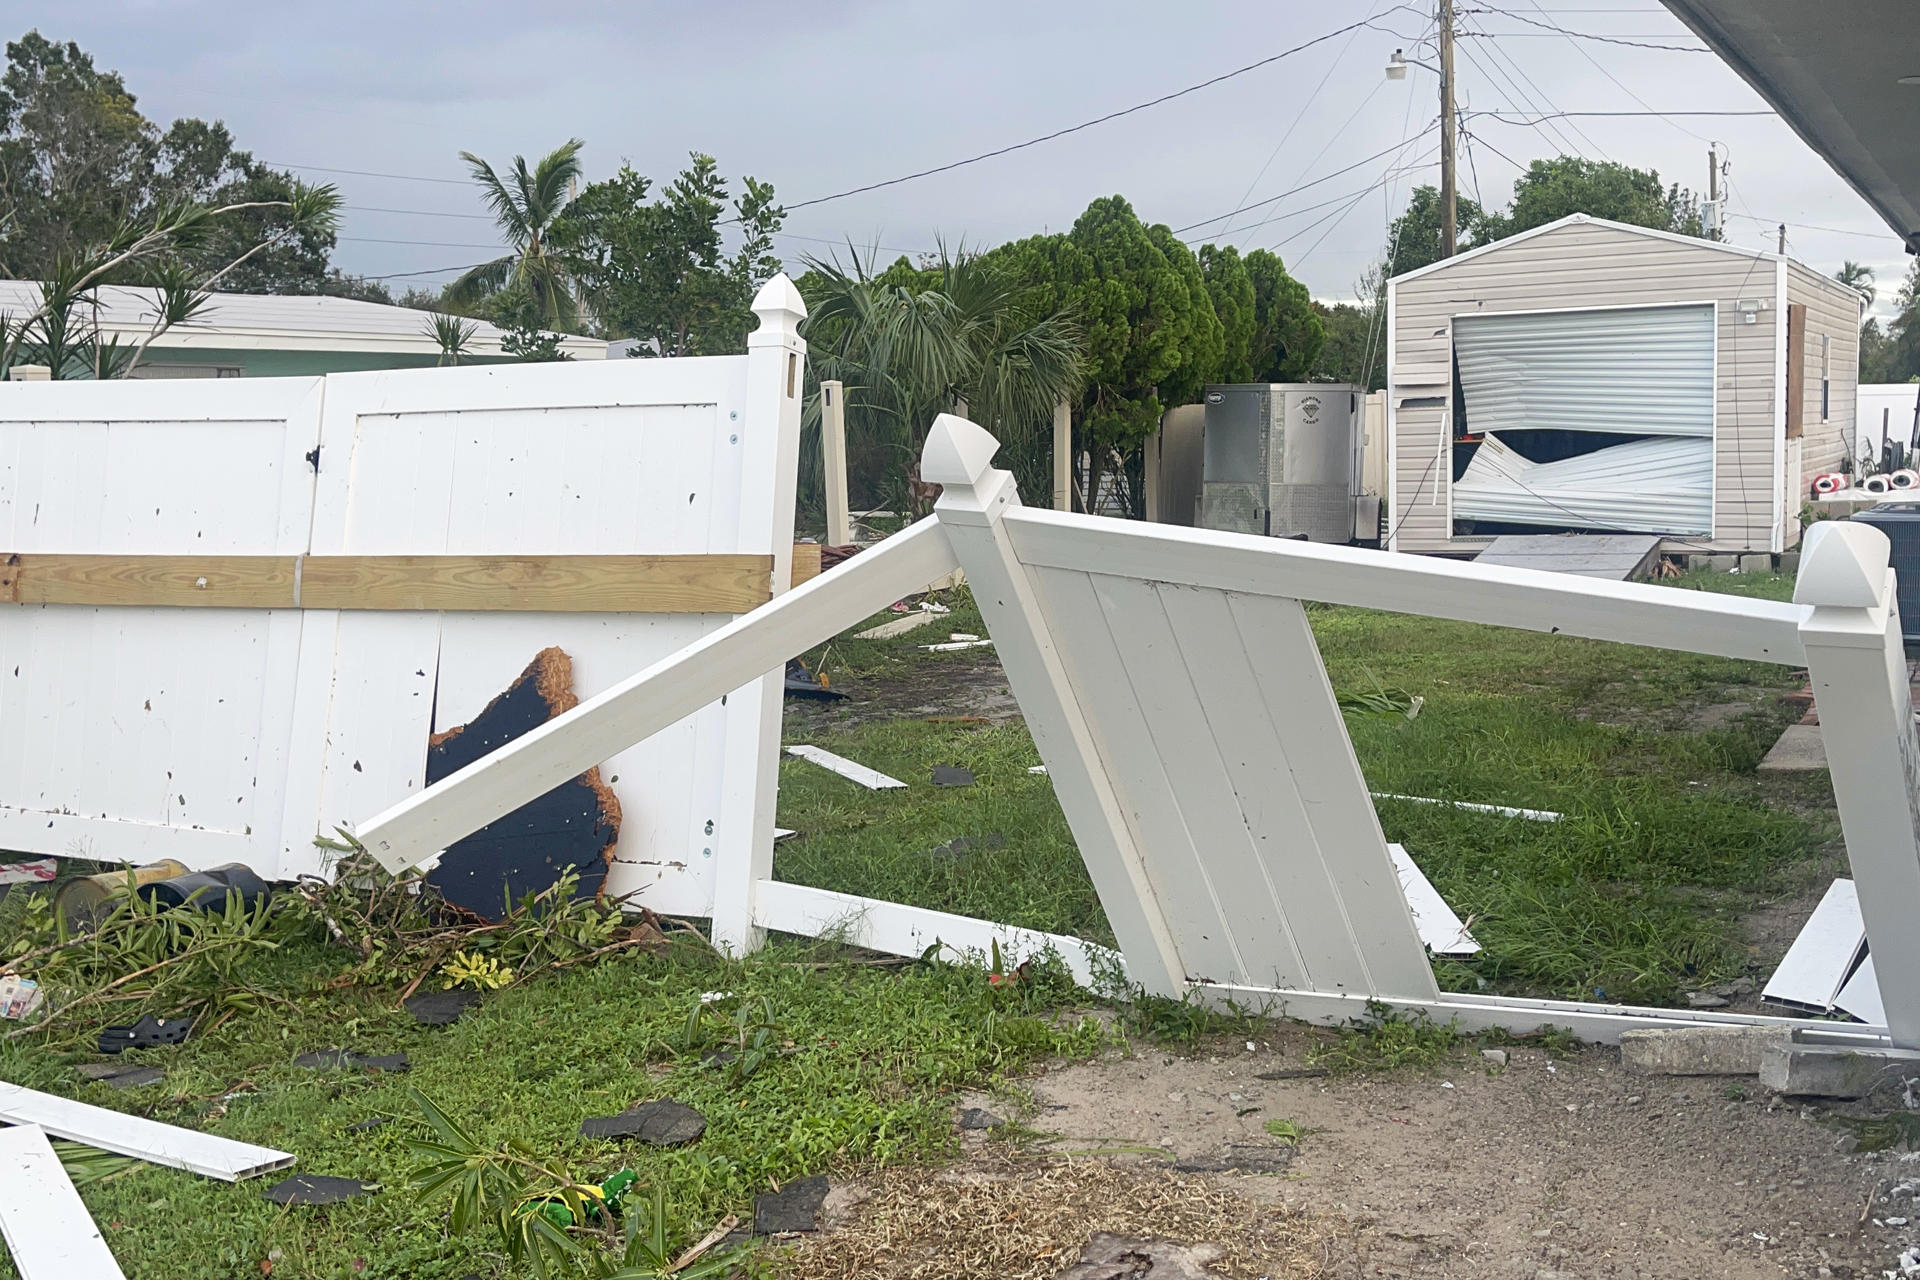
(1175, 692)
(241, 607)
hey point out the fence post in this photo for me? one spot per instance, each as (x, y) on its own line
(770, 436)
(959, 456)
(30, 373)
(1857, 666)
(833, 453)
(1063, 456)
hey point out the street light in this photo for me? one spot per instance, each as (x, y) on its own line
(1397, 70)
(1397, 65)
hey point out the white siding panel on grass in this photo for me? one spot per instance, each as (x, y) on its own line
(1586, 264)
(1633, 371)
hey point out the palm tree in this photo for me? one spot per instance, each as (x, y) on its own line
(1856, 275)
(971, 340)
(525, 210)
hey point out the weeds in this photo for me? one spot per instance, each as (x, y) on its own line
(1386, 1039)
(1286, 1131)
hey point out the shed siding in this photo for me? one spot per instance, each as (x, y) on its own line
(1571, 267)
(1833, 312)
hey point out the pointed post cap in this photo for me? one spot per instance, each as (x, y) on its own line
(780, 308)
(958, 452)
(1843, 564)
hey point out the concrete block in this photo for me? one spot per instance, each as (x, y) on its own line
(1799, 749)
(1787, 562)
(1712, 562)
(1756, 563)
(1699, 1051)
(1834, 1071)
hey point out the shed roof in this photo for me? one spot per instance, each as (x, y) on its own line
(280, 322)
(1583, 219)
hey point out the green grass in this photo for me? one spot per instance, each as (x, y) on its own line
(1636, 896)
(875, 1056)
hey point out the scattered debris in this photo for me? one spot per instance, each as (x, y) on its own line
(1504, 811)
(948, 775)
(148, 1033)
(136, 1136)
(871, 779)
(1443, 931)
(344, 1059)
(1036, 768)
(782, 833)
(441, 1008)
(82, 903)
(1705, 1000)
(371, 1122)
(961, 636)
(1495, 1057)
(898, 626)
(791, 1208)
(802, 683)
(1111, 1257)
(979, 1118)
(1825, 953)
(1239, 1159)
(1833, 1071)
(19, 997)
(1861, 996)
(951, 645)
(960, 846)
(661, 1123)
(576, 824)
(38, 871)
(313, 1188)
(122, 1076)
(47, 1227)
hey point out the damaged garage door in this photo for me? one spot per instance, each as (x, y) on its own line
(1548, 397)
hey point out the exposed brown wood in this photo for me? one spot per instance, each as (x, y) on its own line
(806, 562)
(243, 582)
(551, 584)
(1796, 369)
(557, 584)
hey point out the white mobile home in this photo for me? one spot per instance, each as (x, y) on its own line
(1589, 375)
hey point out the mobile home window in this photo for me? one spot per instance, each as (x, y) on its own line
(1826, 371)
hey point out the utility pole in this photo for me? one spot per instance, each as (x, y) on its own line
(1713, 173)
(1449, 211)
(1783, 239)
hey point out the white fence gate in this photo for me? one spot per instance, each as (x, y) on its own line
(1177, 696)
(242, 607)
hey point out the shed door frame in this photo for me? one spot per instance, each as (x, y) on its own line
(1452, 362)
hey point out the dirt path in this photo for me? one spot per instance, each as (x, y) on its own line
(1544, 1170)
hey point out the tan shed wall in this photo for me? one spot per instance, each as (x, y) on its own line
(1833, 310)
(1582, 265)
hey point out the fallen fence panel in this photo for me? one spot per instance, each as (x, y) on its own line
(47, 1227)
(149, 1140)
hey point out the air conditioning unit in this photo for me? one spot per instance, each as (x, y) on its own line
(1900, 521)
(1282, 459)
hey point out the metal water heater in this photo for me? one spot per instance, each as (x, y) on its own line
(1282, 459)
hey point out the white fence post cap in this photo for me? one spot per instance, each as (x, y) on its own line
(1843, 564)
(778, 304)
(957, 452)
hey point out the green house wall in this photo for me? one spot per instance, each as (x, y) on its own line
(293, 364)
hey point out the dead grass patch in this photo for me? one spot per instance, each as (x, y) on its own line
(1018, 1218)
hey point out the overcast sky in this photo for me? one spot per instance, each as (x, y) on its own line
(834, 94)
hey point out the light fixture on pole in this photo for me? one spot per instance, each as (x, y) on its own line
(1397, 70)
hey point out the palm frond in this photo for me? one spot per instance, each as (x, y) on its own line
(547, 192)
(508, 212)
(483, 281)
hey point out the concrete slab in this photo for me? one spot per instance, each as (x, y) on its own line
(1798, 750)
(1831, 1071)
(1614, 556)
(1699, 1051)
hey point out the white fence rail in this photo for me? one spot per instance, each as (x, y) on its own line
(1176, 694)
(527, 493)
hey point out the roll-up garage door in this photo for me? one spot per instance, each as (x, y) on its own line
(1635, 371)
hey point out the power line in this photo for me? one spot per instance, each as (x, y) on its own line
(423, 213)
(1294, 190)
(1392, 174)
(1562, 141)
(1086, 124)
(1521, 71)
(1584, 35)
(1807, 226)
(1533, 118)
(1598, 66)
(432, 244)
(431, 271)
(367, 173)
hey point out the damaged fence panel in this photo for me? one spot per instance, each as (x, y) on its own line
(202, 1153)
(47, 1228)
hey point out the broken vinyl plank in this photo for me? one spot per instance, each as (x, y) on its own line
(1860, 998)
(576, 824)
(896, 626)
(1444, 932)
(1504, 811)
(952, 645)
(853, 771)
(47, 1227)
(143, 1139)
(1824, 954)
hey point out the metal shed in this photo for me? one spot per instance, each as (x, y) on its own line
(1590, 375)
